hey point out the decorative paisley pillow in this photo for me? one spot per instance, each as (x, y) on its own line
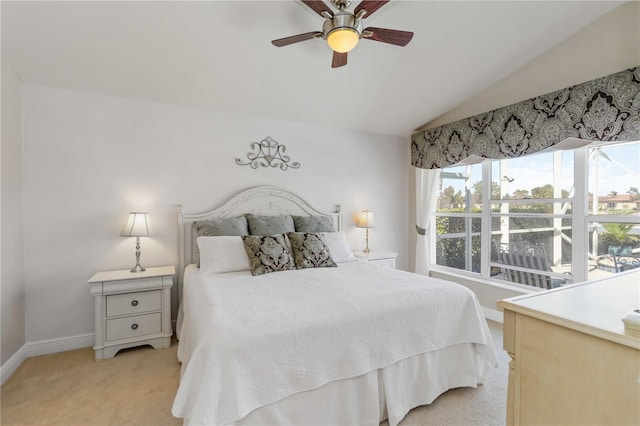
(269, 253)
(309, 250)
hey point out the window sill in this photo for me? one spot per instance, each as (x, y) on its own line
(475, 278)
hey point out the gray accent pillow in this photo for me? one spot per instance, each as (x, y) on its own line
(231, 226)
(269, 253)
(314, 224)
(269, 225)
(310, 250)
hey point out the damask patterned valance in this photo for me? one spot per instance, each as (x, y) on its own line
(604, 109)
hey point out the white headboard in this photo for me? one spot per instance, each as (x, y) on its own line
(261, 200)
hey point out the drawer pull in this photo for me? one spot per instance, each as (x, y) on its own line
(134, 303)
(134, 326)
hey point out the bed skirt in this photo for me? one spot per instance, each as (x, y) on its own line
(388, 393)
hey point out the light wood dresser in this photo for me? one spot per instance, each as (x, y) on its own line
(573, 361)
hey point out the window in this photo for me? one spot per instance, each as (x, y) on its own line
(522, 220)
(614, 230)
(458, 217)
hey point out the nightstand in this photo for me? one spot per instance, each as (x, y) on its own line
(382, 258)
(132, 309)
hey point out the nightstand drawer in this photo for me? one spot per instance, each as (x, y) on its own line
(134, 303)
(139, 325)
(384, 258)
(385, 263)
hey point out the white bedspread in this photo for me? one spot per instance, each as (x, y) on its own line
(250, 341)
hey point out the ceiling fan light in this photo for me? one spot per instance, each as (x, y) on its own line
(342, 40)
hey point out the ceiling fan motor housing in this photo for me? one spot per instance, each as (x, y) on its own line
(343, 30)
(342, 20)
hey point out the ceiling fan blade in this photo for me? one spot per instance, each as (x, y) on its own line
(296, 38)
(369, 6)
(384, 35)
(339, 60)
(318, 6)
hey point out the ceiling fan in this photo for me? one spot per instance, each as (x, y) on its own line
(342, 30)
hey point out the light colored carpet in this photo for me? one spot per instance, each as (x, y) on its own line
(138, 385)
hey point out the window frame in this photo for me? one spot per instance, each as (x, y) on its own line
(467, 215)
(579, 216)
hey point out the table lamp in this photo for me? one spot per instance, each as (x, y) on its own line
(366, 221)
(138, 225)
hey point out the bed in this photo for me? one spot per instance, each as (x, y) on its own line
(350, 344)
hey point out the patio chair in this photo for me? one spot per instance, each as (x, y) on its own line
(623, 258)
(531, 257)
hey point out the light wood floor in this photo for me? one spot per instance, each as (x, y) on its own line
(137, 387)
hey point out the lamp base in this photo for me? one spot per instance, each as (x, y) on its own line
(137, 268)
(366, 245)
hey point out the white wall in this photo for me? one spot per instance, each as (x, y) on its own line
(607, 45)
(12, 289)
(90, 159)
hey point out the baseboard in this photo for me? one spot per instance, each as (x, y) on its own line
(493, 315)
(52, 346)
(12, 364)
(44, 347)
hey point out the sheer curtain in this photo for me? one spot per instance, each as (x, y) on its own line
(426, 190)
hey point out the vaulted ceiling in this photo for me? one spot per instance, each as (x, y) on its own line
(217, 54)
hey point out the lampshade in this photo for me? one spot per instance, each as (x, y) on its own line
(342, 40)
(138, 225)
(366, 220)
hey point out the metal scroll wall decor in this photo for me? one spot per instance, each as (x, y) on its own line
(268, 153)
(604, 109)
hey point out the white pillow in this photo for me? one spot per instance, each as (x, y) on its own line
(222, 254)
(338, 247)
